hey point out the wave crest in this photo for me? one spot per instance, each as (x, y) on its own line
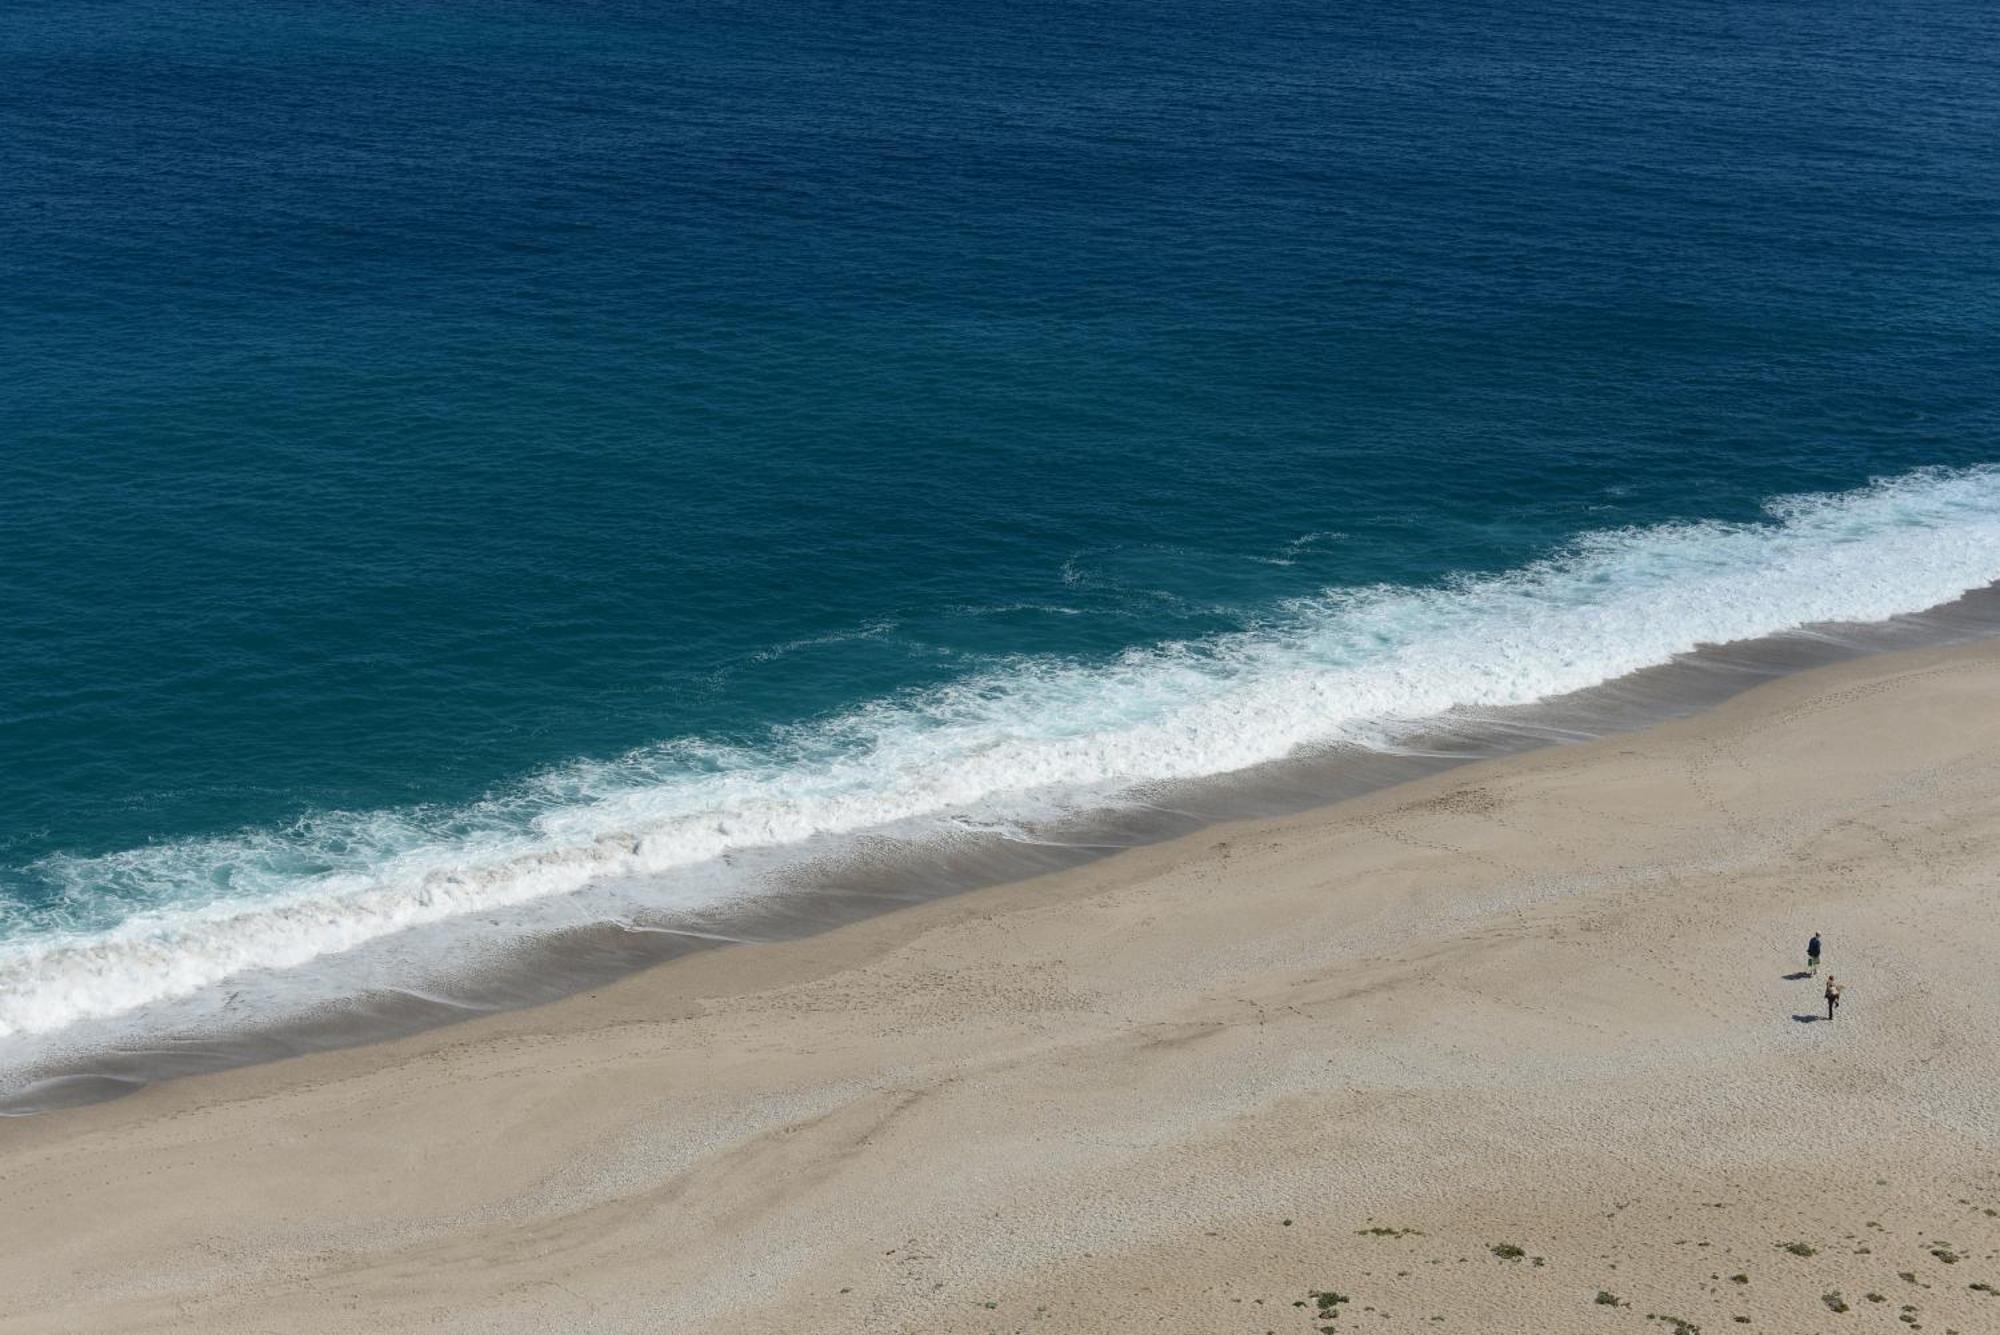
(1034, 739)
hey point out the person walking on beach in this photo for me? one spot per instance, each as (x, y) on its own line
(1812, 954)
(1832, 995)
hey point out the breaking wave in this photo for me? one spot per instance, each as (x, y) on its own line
(1027, 741)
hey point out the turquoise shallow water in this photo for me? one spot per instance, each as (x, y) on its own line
(454, 455)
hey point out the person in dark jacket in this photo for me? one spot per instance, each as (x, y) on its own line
(1812, 954)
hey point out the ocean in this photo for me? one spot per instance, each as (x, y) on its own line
(503, 472)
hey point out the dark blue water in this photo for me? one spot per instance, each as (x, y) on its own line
(437, 434)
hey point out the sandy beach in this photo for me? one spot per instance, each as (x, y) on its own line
(1512, 1049)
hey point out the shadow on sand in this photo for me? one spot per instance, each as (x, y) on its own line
(1795, 977)
(1808, 1019)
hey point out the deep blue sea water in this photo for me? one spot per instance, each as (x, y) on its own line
(452, 454)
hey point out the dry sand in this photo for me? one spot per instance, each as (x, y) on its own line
(1536, 1003)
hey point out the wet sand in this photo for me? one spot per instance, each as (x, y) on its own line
(1536, 1003)
(562, 945)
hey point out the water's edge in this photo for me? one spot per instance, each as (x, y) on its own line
(889, 874)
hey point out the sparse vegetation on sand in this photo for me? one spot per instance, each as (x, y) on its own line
(1784, 1294)
(1326, 1307)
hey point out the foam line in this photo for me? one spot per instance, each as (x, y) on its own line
(1031, 739)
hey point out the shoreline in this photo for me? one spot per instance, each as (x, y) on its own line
(1535, 1001)
(97, 1060)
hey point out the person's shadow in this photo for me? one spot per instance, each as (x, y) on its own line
(1808, 1019)
(1796, 977)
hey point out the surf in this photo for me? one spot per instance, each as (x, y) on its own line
(1009, 749)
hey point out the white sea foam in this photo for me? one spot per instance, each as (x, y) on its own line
(1032, 740)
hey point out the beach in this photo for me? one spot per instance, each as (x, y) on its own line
(1512, 1048)
(1033, 668)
